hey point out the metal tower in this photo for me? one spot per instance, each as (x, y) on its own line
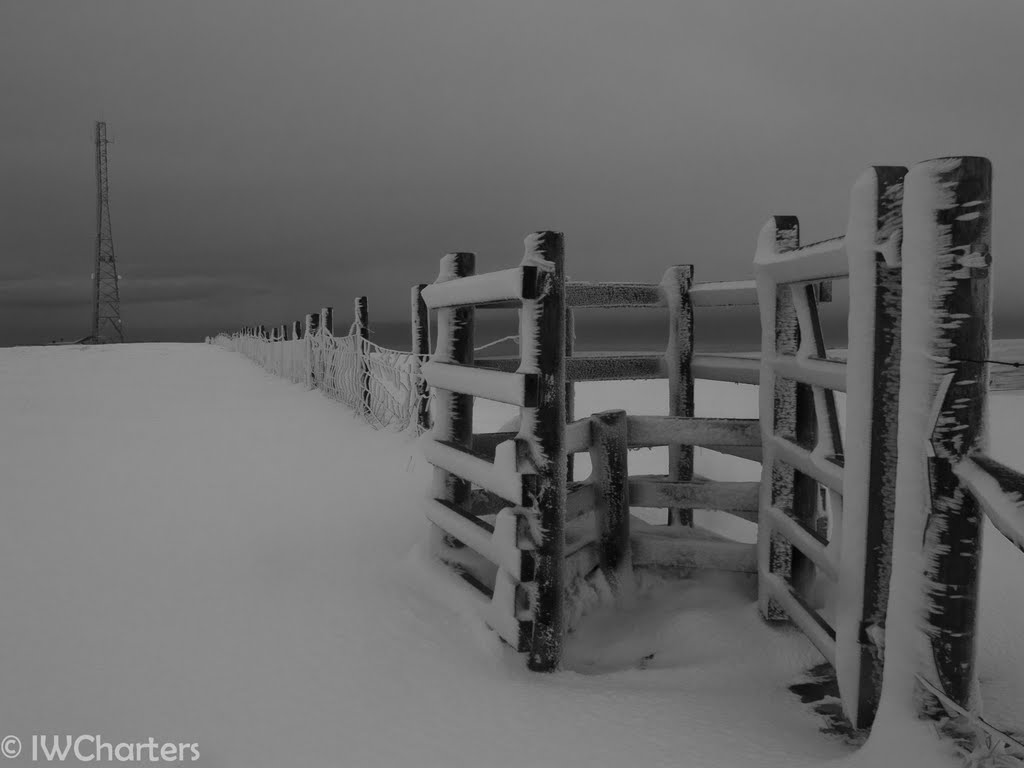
(106, 301)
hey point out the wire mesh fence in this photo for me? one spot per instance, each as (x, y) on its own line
(378, 383)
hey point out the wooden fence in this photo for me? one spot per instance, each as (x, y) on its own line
(827, 501)
(857, 502)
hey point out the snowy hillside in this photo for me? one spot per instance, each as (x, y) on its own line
(197, 551)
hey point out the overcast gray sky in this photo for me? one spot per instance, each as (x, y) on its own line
(271, 156)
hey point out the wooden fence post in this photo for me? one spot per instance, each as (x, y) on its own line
(542, 341)
(327, 319)
(678, 358)
(297, 330)
(421, 350)
(362, 315)
(943, 401)
(609, 457)
(570, 387)
(869, 488)
(312, 324)
(453, 412)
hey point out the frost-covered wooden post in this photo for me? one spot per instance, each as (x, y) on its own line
(362, 317)
(542, 339)
(312, 324)
(678, 359)
(609, 458)
(453, 412)
(327, 320)
(872, 397)
(297, 329)
(570, 387)
(943, 392)
(421, 351)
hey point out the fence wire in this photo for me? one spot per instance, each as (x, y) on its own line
(378, 383)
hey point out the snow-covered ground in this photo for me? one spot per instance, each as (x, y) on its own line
(194, 550)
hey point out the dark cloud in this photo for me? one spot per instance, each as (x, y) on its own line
(270, 158)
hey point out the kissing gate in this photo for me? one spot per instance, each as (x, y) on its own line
(860, 502)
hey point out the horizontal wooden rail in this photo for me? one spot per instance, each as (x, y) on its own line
(610, 295)
(615, 367)
(808, 620)
(816, 371)
(577, 436)
(738, 293)
(803, 539)
(594, 367)
(659, 491)
(649, 365)
(748, 452)
(503, 613)
(497, 543)
(505, 482)
(651, 431)
(483, 502)
(510, 284)
(485, 443)
(823, 260)
(504, 387)
(735, 369)
(655, 547)
(826, 472)
(509, 364)
(1000, 491)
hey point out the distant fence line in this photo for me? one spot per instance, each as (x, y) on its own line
(382, 385)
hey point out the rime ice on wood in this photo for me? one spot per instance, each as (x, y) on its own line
(421, 350)
(542, 340)
(362, 333)
(933, 588)
(869, 487)
(1000, 491)
(453, 412)
(678, 358)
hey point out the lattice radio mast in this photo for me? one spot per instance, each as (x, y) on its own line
(106, 301)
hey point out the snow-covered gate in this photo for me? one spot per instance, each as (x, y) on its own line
(507, 517)
(845, 541)
(515, 557)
